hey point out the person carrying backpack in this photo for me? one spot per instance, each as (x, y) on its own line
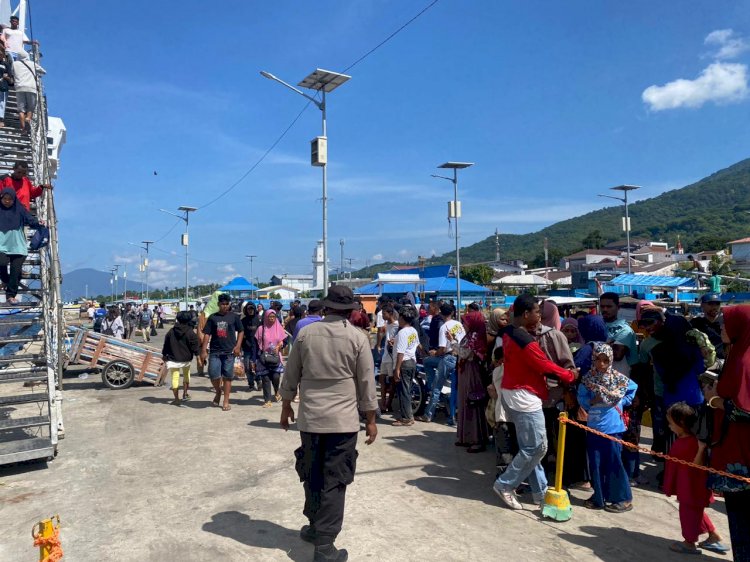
(144, 322)
(112, 324)
(99, 315)
(181, 344)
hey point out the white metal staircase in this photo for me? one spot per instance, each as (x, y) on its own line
(31, 330)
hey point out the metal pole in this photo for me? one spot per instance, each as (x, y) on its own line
(125, 290)
(187, 246)
(146, 267)
(341, 264)
(458, 256)
(627, 228)
(325, 202)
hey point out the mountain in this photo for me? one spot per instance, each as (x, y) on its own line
(706, 215)
(74, 284)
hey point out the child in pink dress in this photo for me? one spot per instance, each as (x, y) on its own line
(689, 484)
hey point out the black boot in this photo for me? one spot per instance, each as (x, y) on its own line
(329, 553)
(307, 533)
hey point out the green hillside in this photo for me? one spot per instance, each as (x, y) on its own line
(706, 215)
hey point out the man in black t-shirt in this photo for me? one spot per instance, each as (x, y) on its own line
(711, 321)
(223, 344)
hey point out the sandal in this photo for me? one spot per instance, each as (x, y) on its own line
(404, 423)
(682, 549)
(268, 405)
(216, 401)
(277, 397)
(226, 408)
(589, 504)
(620, 507)
(714, 547)
(185, 397)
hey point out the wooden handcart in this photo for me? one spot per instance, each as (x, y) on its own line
(122, 362)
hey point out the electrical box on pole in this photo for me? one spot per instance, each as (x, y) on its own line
(319, 151)
(454, 209)
(625, 224)
(184, 239)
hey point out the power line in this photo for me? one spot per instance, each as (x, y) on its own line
(168, 231)
(257, 162)
(391, 36)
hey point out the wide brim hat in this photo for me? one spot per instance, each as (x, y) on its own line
(339, 297)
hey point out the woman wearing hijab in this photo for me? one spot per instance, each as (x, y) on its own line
(730, 448)
(495, 323)
(603, 393)
(472, 393)
(250, 323)
(575, 467)
(270, 337)
(13, 246)
(112, 324)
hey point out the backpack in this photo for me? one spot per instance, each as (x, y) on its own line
(108, 329)
(98, 323)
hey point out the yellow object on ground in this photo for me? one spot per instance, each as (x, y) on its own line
(556, 501)
(46, 536)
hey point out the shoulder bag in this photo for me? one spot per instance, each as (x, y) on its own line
(269, 359)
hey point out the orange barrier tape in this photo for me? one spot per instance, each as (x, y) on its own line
(633, 446)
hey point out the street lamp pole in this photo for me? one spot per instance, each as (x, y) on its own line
(323, 81)
(146, 244)
(455, 213)
(251, 258)
(185, 241)
(626, 221)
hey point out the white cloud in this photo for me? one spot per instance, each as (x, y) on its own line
(403, 254)
(378, 257)
(229, 268)
(720, 82)
(728, 44)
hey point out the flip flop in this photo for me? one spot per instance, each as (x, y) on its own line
(682, 549)
(226, 408)
(714, 547)
(588, 504)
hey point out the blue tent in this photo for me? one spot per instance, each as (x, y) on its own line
(436, 285)
(239, 285)
(653, 281)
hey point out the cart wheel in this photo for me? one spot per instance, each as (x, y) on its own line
(118, 374)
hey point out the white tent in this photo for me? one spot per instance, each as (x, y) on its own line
(522, 281)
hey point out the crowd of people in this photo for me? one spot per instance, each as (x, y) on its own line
(511, 372)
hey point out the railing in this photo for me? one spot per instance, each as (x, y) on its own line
(52, 306)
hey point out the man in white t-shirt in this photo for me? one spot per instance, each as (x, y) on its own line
(24, 73)
(15, 39)
(450, 335)
(407, 342)
(388, 361)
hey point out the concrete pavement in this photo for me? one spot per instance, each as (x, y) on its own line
(138, 479)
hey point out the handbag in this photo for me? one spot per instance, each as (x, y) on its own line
(476, 398)
(153, 330)
(268, 359)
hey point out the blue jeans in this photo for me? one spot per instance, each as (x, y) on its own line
(431, 364)
(532, 446)
(221, 366)
(449, 366)
(443, 372)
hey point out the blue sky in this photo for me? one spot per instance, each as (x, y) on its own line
(554, 101)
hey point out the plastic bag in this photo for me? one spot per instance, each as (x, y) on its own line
(239, 368)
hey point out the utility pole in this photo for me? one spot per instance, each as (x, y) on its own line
(251, 258)
(341, 263)
(546, 252)
(350, 260)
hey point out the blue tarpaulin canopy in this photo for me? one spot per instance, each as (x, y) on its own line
(437, 285)
(239, 284)
(652, 281)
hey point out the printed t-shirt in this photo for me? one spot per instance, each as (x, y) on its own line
(456, 329)
(407, 341)
(223, 329)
